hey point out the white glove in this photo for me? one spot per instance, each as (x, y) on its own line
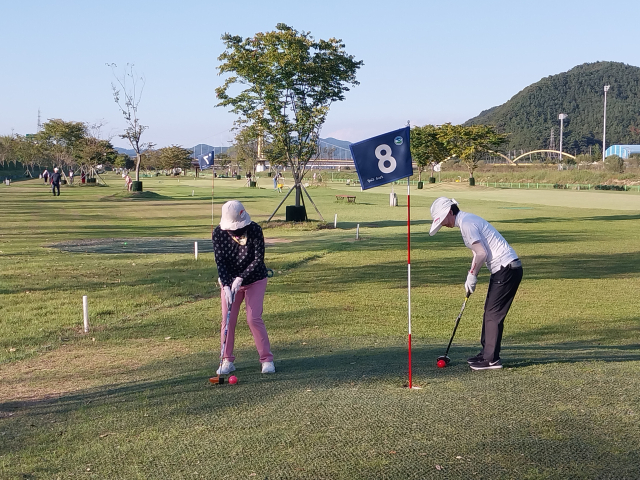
(228, 295)
(470, 284)
(235, 286)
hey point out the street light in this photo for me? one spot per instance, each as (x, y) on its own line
(561, 117)
(604, 129)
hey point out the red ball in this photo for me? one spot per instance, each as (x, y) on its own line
(233, 379)
(441, 363)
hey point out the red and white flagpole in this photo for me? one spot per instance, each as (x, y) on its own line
(409, 269)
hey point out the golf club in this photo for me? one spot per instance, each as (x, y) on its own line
(219, 379)
(444, 360)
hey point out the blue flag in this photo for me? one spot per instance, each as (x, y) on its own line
(205, 161)
(383, 159)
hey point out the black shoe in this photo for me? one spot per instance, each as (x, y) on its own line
(486, 365)
(475, 358)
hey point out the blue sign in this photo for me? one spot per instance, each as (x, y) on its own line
(383, 159)
(205, 161)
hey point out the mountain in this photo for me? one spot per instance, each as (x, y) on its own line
(201, 148)
(531, 114)
(204, 148)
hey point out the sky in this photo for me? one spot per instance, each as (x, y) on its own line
(424, 61)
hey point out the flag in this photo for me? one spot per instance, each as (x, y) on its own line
(383, 159)
(205, 161)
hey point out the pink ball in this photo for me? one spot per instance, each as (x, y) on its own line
(442, 363)
(233, 379)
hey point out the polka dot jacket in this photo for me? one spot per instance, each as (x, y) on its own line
(237, 260)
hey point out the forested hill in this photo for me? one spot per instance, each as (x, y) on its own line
(530, 115)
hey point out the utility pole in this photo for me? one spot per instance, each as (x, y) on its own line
(604, 129)
(561, 117)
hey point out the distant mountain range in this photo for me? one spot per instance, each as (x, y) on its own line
(530, 116)
(203, 148)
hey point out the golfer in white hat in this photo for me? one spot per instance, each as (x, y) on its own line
(490, 248)
(238, 245)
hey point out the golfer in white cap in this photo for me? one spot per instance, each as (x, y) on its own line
(238, 245)
(490, 248)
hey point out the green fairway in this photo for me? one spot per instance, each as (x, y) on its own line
(131, 398)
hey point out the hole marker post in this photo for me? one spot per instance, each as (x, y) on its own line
(85, 312)
(409, 270)
(195, 247)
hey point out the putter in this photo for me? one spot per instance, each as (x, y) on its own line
(219, 379)
(444, 360)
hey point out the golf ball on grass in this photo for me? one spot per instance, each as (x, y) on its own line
(233, 379)
(441, 363)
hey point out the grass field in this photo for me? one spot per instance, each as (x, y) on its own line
(131, 400)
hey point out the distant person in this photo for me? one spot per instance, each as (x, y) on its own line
(275, 181)
(55, 181)
(238, 245)
(128, 182)
(45, 176)
(83, 177)
(491, 249)
(70, 177)
(248, 179)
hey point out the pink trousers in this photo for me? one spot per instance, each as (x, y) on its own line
(253, 295)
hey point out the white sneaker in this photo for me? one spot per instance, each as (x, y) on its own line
(268, 367)
(227, 367)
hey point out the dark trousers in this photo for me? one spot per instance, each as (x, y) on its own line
(503, 286)
(53, 188)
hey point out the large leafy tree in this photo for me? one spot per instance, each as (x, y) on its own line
(175, 156)
(427, 148)
(289, 81)
(470, 144)
(61, 140)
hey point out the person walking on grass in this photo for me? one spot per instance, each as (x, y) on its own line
(55, 181)
(45, 176)
(238, 245)
(490, 248)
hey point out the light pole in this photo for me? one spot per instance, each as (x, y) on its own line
(604, 129)
(561, 117)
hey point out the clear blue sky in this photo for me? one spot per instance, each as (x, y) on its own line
(424, 61)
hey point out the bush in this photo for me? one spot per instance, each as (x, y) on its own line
(560, 185)
(613, 163)
(617, 188)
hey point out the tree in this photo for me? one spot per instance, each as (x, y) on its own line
(59, 140)
(471, 143)
(427, 148)
(614, 163)
(132, 93)
(174, 157)
(291, 80)
(248, 148)
(92, 151)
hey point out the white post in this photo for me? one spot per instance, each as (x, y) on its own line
(192, 191)
(562, 116)
(358, 232)
(196, 249)
(604, 129)
(335, 221)
(85, 311)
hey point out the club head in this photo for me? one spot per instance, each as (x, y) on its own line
(217, 380)
(443, 361)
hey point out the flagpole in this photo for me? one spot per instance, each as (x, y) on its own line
(409, 270)
(213, 176)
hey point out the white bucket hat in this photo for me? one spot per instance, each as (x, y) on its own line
(234, 216)
(439, 210)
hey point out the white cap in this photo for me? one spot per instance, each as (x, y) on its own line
(439, 210)
(55, 169)
(234, 216)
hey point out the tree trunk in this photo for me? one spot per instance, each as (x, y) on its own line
(138, 158)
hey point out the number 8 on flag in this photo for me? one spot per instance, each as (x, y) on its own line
(383, 159)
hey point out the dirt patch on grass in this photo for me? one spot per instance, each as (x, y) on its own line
(73, 368)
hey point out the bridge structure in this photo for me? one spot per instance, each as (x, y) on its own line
(514, 161)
